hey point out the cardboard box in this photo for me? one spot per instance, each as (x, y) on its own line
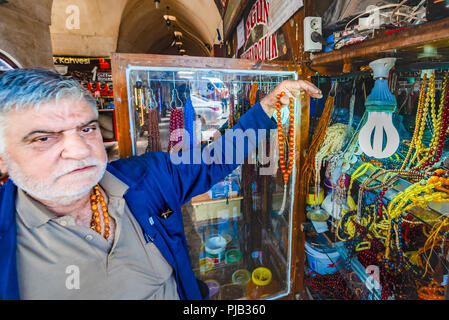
(205, 208)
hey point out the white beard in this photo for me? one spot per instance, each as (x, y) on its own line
(46, 190)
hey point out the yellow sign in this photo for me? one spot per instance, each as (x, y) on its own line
(70, 60)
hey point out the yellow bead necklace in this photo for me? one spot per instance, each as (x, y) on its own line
(419, 147)
(417, 195)
(437, 123)
(419, 115)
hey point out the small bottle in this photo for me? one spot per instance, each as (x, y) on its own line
(261, 284)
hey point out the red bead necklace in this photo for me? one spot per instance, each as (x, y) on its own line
(176, 123)
(286, 168)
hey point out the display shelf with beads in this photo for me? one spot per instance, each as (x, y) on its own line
(426, 216)
(371, 286)
(393, 268)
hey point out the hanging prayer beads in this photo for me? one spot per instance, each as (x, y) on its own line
(286, 167)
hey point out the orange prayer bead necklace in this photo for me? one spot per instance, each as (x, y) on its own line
(97, 200)
(433, 291)
(286, 168)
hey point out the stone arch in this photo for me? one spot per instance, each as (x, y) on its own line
(133, 26)
(99, 23)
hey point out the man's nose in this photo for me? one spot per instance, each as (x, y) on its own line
(74, 147)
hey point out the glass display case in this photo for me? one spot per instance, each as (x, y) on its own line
(377, 198)
(240, 232)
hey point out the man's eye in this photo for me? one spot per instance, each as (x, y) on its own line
(89, 129)
(43, 139)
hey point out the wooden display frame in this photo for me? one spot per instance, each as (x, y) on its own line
(120, 62)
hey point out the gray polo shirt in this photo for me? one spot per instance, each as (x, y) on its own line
(58, 259)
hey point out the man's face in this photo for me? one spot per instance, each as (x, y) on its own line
(55, 152)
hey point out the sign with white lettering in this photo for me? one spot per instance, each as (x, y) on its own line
(84, 68)
(263, 37)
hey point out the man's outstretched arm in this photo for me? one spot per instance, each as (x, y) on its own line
(228, 152)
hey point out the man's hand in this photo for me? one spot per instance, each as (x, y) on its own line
(292, 88)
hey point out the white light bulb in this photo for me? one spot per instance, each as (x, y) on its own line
(379, 122)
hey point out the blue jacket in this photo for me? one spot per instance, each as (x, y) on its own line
(155, 183)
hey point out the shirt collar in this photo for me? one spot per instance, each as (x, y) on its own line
(34, 214)
(113, 186)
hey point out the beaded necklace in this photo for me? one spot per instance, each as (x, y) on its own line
(308, 169)
(139, 101)
(433, 238)
(231, 120)
(395, 161)
(253, 93)
(176, 124)
(330, 286)
(417, 195)
(97, 200)
(286, 168)
(419, 115)
(422, 125)
(438, 122)
(433, 291)
(443, 123)
(154, 136)
(330, 147)
(332, 143)
(338, 192)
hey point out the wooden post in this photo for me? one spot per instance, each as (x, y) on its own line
(118, 64)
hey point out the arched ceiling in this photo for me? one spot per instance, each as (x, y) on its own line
(143, 28)
(134, 26)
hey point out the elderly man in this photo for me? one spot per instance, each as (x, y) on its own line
(72, 225)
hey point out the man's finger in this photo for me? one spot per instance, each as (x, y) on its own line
(285, 100)
(295, 88)
(310, 88)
